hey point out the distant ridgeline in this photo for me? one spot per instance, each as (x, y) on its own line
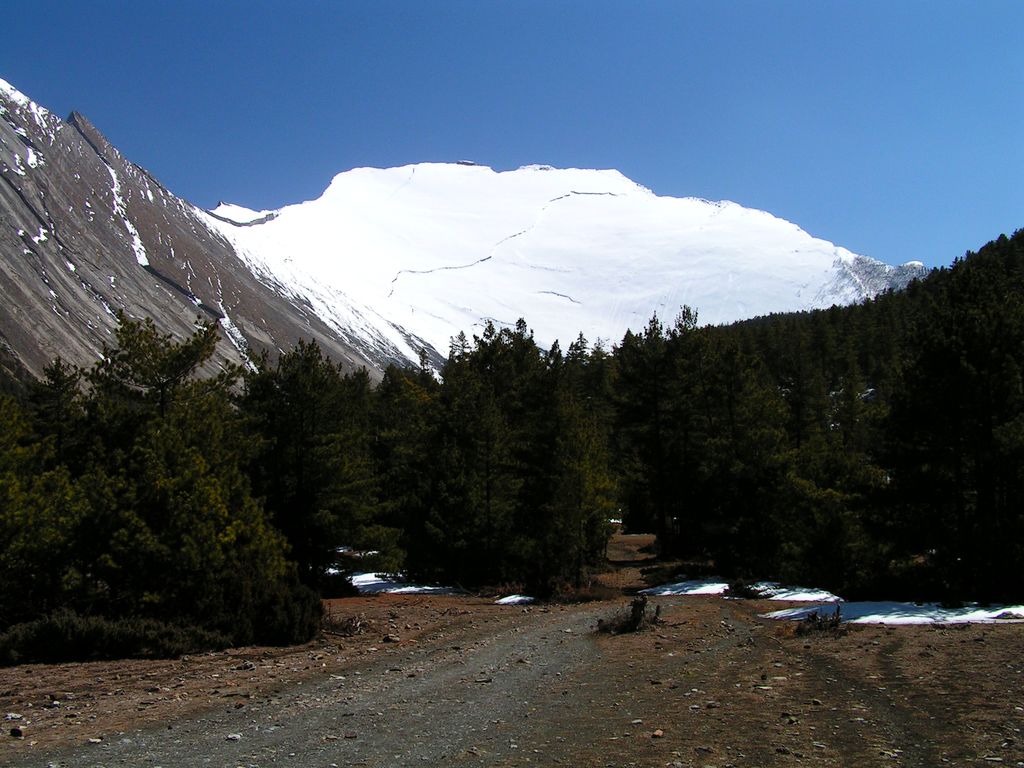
(875, 450)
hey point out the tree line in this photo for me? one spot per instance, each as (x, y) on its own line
(877, 450)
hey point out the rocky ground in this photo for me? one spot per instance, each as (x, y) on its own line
(432, 681)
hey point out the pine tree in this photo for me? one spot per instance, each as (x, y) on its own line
(642, 380)
(41, 515)
(406, 414)
(56, 406)
(156, 521)
(479, 483)
(582, 497)
(313, 463)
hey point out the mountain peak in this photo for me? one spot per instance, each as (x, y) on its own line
(92, 134)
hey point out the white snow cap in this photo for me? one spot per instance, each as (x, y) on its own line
(14, 94)
(438, 248)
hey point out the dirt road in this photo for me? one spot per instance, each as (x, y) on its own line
(460, 681)
(453, 697)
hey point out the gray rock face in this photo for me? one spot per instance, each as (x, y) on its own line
(866, 277)
(85, 233)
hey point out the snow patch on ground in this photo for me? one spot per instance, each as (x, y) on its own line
(776, 591)
(378, 583)
(906, 613)
(824, 603)
(770, 589)
(515, 600)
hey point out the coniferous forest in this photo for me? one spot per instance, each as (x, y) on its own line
(875, 450)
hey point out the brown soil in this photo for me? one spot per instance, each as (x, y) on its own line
(460, 681)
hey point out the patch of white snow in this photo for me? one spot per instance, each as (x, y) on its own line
(14, 94)
(515, 600)
(122, 212)
(770, 590)
(689, 587)
(33, 158)
(907, 613)
(378, 583)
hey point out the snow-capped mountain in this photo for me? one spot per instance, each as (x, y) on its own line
(441, 247)
(385, 262)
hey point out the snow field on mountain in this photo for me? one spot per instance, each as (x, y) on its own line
(392, 260)
(436, 249)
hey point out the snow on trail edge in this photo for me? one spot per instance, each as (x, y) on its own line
(885, 612)
(770, 589)
(378, 583)
(824, 603)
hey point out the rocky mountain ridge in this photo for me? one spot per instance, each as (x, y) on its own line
(86, 233)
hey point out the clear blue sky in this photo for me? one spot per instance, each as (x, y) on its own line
(895, 129)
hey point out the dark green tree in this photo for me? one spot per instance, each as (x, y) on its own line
(42, 513)
(582, 498)
(312, 464)
(406, 415)
(643, 405)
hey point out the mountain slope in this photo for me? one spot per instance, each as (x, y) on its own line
(85, 233)
(385, 263)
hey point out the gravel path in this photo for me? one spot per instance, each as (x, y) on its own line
(469, 701)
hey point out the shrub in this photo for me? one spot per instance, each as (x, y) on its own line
(636, 619)
(68, 636)
(745, 590)
(289, 614)
(348, 625)
(821, 623)
(335, 585)
(587, 592)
